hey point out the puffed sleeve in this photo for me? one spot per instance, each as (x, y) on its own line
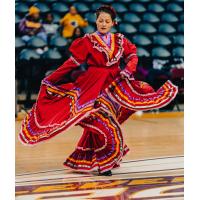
(131, 58)
(79, 52)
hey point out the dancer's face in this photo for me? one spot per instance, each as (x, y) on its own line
(104, 23)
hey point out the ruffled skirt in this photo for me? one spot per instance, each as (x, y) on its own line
(101, 145)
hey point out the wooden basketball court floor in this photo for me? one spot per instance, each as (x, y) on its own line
(153, 168)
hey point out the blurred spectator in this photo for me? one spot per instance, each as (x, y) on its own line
(159, 73)
(30, 25)
(159, 63)
(78, 32)
(70, 21)
(177, 63)
(49, 26)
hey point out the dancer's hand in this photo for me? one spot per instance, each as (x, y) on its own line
(123, 76)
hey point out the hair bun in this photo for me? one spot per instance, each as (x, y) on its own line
(109, 9)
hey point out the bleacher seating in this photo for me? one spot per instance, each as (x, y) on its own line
(179, 40)
(125, 1)
(95, 5)
(90, 16)
(56, 18)
(166, 28)
(132, 18)
(58, 42)
(142, 52)
(141, 40)
(127, 29)
(182, 17)
(119, 7)
(162, 1)
(169, 18)
(178, 52)
(156, 8)
(50, 1)
(44, 8)
(181, 28)
(106, 1)
(147, 28)
(179, 1)
(36, 42)
(144, 1)
(151, 18)
(17, 19)
(29, 2)
(28, 54)
(173, 7)
(137, 7)
(82, 7)
(60, 8)
(160, 52)
(21, 8)
(161, 40)
(155, 27)
(19, 43)
(89, 29)
(52, 54)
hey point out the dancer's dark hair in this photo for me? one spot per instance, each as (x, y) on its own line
(107, 9)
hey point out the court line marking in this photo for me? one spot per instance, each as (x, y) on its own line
(124, 170)
(94, 179)
(164, 167)
(128, 161)
(172, 172)
(94, 176)
(125, 166)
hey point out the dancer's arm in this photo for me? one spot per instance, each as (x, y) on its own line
(131, 58)
(79, 53)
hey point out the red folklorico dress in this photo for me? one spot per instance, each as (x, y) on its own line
(99, 101)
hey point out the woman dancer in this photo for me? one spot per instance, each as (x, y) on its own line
(99, 100)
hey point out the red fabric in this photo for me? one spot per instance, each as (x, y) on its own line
(101, 144)
(99, 100)
(87, 48)
(79, 50)
(90, 83)
(130, 53)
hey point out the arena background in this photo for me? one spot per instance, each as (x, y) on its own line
(156, 27)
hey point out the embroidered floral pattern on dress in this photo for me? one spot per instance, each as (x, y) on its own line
(119, 44)
(111, 151)
(126, 95)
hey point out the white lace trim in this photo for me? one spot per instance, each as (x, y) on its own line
(74, 60)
